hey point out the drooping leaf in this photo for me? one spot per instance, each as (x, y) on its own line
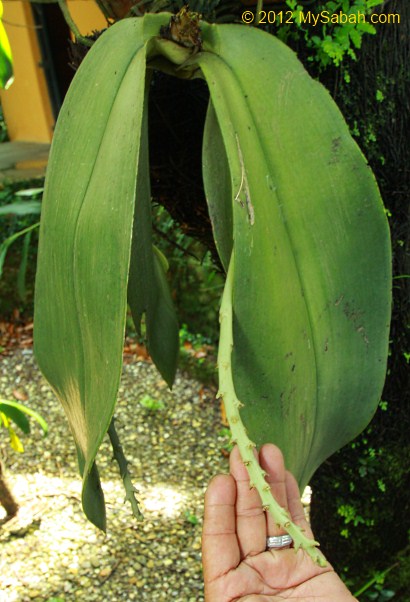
(162, 259)
(16, 416)
(21, 276)
(163, 329)
(312, 252)
(21, 208)
(85, 240)
(4, 246)
(148, 291)
(29, 192)
(18, 412)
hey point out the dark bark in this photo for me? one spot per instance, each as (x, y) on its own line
(7, 499)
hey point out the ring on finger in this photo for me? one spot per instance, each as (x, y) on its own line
(278, 542)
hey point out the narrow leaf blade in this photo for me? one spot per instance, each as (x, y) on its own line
(148, 290)
(218, 186)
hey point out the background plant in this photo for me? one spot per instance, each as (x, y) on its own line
(328, 43)
(11, 414)
(20, 207)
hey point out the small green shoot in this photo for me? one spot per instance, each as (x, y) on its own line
(191, 518)
(151, 404)
(225, 434)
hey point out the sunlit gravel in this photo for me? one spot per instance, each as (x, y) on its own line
(49, 552)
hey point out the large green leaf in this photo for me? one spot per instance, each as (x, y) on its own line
(85, 239)
(312, 251)
(148, 291)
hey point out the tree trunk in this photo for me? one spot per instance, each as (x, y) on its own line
(6, 497)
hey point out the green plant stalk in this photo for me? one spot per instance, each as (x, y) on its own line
(372, 581)
(69, 20)
(6, 243)
(259, 7)
(239, 435)
(21, 278)
(122, 462)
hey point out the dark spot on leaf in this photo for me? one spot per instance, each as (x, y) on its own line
(336, 144)
(339, 300)
(335, 150)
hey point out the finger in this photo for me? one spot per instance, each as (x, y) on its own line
(220, 550)
(295, 505)
(250, 517)
(272, 462)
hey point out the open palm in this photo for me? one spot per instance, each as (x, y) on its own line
(237, 567)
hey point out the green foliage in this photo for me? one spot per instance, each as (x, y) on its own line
(375, 589)
(11, 411)
(329, 41)
(225, 434)
(3, 127)
(4, 247)
(191, 518)
(197, 355)
(361, 494)
(20, 206)
(151, 404)
(196, 283)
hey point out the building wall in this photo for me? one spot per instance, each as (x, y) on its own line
(86, 15)
(26, 107)
(26, 104)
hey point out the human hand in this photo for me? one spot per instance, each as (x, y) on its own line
(237, 567)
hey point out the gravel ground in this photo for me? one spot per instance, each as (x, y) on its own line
(49, 552)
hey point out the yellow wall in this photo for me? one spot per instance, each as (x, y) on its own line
(86, 15)
(26, 104)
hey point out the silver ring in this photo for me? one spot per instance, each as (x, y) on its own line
(277, 542)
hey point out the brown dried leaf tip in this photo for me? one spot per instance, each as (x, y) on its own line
(184, 29)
